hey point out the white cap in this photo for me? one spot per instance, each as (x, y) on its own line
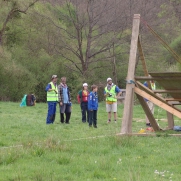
(54, 76)
(108, 79)
(85, 84)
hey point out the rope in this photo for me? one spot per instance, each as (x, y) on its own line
(77, 139)
(174, 54)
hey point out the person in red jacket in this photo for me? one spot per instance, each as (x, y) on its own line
(82, 98)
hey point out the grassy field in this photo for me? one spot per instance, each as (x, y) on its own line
(31, 150)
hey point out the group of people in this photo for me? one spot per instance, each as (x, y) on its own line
(61, 94)
(88, 101)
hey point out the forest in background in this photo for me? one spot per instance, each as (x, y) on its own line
(84, 40)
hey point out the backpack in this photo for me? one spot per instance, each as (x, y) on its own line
(30, 100)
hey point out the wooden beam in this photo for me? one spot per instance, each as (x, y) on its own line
(159, 103)
(148, 113)
(170, 103)
(167, 91)
(170, 120)
(156, 78)
(129, 98)
(173, 99)
(174, 102)
(146, 89)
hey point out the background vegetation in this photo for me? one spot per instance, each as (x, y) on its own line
(83, 40)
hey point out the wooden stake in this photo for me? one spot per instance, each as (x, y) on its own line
(128, 106)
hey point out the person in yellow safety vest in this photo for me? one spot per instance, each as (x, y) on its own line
(111, 92)
(52, 99)
(149, 103)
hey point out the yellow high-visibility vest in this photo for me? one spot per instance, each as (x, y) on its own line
(52, 95)
(111, 94)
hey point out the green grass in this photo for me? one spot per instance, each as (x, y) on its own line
(31, 150)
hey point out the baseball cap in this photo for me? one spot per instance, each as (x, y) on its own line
(108, 79)
(85, 84)
(54, 76)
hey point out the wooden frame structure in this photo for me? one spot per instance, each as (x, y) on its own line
(169, 81)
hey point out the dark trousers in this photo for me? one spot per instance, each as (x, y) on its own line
(65, 108)
(84, 109)
(93, 118)
(51, 112)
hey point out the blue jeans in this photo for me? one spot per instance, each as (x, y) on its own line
(84, 109)
(51, 112)
(93, 117)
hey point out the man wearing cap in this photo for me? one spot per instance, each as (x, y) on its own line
(64, 101)
(111, 92)
(52, 98)
(82, 98)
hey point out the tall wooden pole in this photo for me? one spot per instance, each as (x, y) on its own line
(128, 106)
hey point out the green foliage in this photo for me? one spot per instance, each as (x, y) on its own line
(37, 44)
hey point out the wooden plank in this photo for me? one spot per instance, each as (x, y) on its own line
(159, 103)
(167, 91)
(129, 98)
(142, 87)
(157, 78)
(172, 99)
(170, 120)
(148, 113)
(174, 103)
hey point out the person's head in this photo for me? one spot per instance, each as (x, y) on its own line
(109, 81)
(151, 81)
(63, 80)
(85, 86)
(54, 78)
(94, 88)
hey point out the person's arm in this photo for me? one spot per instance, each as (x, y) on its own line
(90, 99)
(118, 91)
(79, 96)
(69, 95)
(48, 88)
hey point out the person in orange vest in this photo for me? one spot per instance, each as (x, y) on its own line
(82, 99)
(52, 98)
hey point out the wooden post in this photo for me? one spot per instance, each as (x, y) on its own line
(128, 106)
(170, 120)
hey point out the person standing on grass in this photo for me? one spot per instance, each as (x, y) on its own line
(93, 106)
(82, 98)
(111, 92)
(149, 103)
(52, 98)
(64, 100)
